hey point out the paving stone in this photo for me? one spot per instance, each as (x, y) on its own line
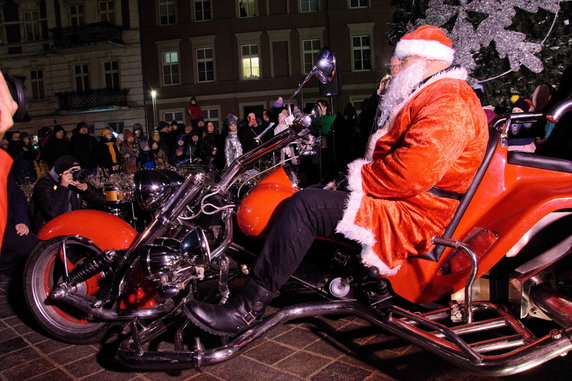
(302, 364)
(71, 354)
(84, 367)
(6, 311)
(269, 352)
(15, 358)
(51, 346)
(204, 377)
(107, 375)
(13, 321)
(35, 337)
(12, 344)
(339, 371)
(7, 334)
(29, 370)
(279, 330)
(23, 329)
(298, 337)
(326, 346)
(175, 375)
(241, 368)
(54, 375)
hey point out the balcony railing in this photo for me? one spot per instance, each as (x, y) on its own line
(86, 34)
(93, 99)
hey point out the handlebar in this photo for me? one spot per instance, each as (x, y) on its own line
(559, 110)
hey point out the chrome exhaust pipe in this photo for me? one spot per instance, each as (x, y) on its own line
(554, 304)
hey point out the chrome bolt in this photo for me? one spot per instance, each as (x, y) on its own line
(556, 334)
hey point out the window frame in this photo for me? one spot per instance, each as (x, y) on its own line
(163, 64)
(173, 112)
(308, 2)
(108, 12)
(362, 49)
(359, 6)
(205, 61)
(34, 23)
(194, 10)
(362, 30)
(112, 72)
(80, 17)
(206, 115)
(314, 56)
(250, 56)
(37, 82)
(170, 5)
(254, 3)
(82, 77)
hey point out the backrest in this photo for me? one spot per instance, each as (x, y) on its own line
(437, 251)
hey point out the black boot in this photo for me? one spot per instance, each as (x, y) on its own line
(234, 317)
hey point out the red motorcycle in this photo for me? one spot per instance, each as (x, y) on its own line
(508, 242)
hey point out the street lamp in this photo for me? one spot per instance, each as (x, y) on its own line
(154, 103)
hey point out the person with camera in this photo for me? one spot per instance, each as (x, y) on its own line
(63, 190)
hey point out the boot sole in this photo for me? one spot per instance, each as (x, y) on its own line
(206, 328)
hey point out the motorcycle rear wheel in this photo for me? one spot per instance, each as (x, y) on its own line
(44, 269)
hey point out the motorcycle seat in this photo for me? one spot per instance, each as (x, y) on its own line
(528, 159)
(435, 254)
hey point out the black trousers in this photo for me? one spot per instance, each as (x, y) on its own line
(309, 213)
(15, 249)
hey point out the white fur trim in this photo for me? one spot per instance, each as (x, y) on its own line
(425, 48)
(350, 230)
(455, 73)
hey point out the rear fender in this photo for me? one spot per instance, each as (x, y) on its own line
(105, 230)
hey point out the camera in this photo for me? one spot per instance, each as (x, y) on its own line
(18, 91)
(79, 175)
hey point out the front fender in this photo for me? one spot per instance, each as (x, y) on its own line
(105, 230)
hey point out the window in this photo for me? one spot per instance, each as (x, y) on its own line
(309, 6)
(170, 65)
(167, 12)
(107, 11)
(37, 79)
(76, 15)
(250, 62)
(169, 116)
(81, 75)
(311, 48)
(359, 3)
(247, 8)
(203, 10)
(32, 28)
(111, 71)
(361, 47)
(205, 65)
(211, 113)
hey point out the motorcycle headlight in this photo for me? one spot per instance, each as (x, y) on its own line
(154, 187)
(196, 247)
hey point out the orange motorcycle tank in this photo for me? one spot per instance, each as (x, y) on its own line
(263, 203)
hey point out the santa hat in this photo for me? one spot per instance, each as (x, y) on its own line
(427, 41)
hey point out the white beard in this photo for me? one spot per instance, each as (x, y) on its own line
(400, 87)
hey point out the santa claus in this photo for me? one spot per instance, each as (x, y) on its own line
(403, 192)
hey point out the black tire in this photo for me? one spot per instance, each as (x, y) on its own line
(44, 268)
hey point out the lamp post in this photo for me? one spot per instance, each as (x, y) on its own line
(154, 103)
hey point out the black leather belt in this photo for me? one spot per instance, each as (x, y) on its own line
(445, 193)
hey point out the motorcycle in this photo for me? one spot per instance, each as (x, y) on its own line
(92, 269)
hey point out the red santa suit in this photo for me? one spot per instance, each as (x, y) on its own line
(436, 138)
(5, 164)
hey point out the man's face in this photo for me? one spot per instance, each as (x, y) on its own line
(395, 66)
(60, 134)
(16, 136)
(83, 130)
(108, 136)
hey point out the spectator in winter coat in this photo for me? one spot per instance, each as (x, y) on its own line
(59, 192)
(130, 153)
(18, 239)
(209, 145)
(57, 145)
(160, 157)
(109, 155)
(23, 154)
(248, 130)
(85, 148)
(146, 159)
(180, 155)
(194, 112)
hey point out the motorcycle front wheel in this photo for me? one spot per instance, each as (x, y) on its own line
(44, 269)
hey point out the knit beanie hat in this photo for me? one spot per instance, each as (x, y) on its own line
(64, 162)
(427, 41)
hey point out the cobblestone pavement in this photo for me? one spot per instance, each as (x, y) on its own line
(323, 349)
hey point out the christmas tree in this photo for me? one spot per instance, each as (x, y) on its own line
(509, 46)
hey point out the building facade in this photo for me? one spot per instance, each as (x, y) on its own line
(237, 56)
(81, 60)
